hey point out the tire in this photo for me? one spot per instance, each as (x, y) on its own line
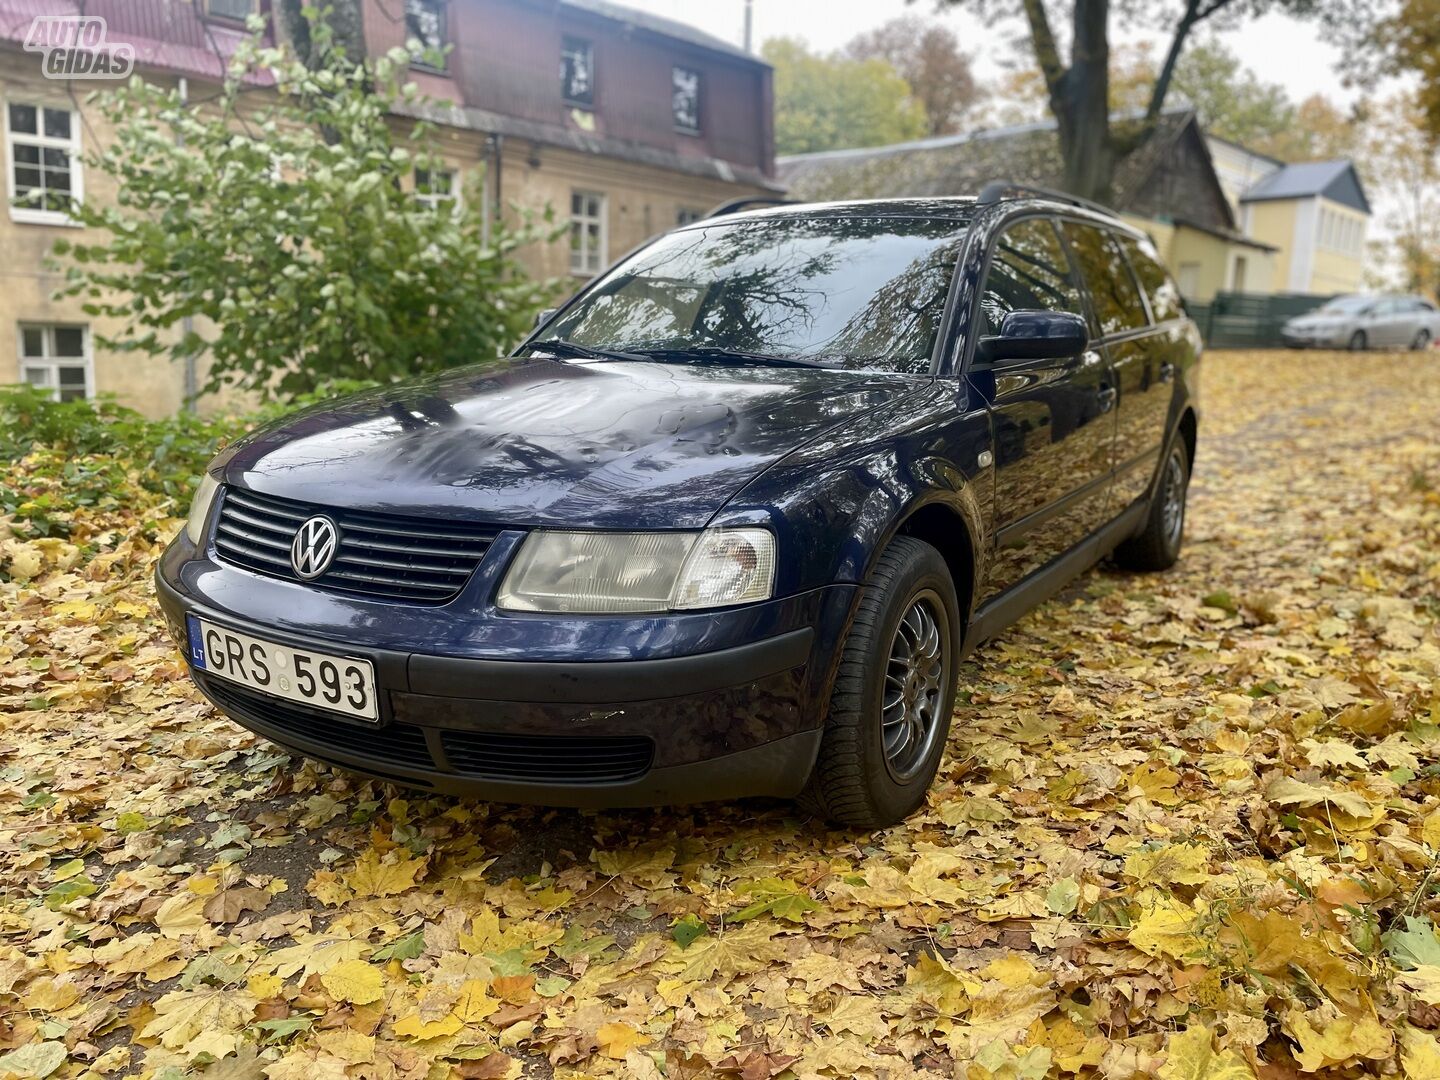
(1157, 546)
(909, 598)
(1358, 341)
(1421, 341)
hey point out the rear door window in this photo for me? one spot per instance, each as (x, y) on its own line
(1028, 272)
(1157, 283)
(1107, 274)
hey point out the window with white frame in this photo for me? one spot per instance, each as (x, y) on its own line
(687, 215)
(56, 359)
(436, 188)
(685, 99)
(42, 161)
(587, 232)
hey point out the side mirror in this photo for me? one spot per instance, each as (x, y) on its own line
(543, 316)
(1036, 335)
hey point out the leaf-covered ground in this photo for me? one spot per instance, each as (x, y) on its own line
(1188, 827)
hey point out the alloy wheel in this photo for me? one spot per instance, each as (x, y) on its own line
(1172, 499)
(914, 690)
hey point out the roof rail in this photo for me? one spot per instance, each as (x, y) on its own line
(999, 190)
(734, 206)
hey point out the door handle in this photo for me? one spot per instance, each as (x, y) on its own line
(1167, 371)
(1107, 398)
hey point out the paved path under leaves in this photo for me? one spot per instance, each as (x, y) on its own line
(1187, 825)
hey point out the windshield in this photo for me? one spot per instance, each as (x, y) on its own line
(1347, 305)
(839, 291)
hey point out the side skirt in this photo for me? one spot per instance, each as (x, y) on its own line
(1052, 577)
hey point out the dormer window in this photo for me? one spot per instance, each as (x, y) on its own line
(239, 10)
(425, 20)
(685, 99)
(577, 72)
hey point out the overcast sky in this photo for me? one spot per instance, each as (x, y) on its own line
(1279, 48)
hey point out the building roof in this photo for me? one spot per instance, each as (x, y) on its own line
(1212, 137)
(1335, 180)
(963, 164)
(658, 24)
(167, 36)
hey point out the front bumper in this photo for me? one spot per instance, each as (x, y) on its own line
(1314, 339)
(739, 719)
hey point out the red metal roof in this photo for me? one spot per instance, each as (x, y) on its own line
(168, 35)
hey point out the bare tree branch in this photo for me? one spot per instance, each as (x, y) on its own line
(1047, 53)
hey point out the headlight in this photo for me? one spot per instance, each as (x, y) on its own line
(200, 509)
(597, 572)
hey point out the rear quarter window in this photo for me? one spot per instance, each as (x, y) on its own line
(1154, 279)
(1106, 271)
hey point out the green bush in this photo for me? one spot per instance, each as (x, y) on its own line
(63, 456)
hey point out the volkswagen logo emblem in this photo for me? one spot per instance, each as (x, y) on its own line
(314, 547)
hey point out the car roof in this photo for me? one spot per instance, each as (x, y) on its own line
(952, 207)
(961, 209)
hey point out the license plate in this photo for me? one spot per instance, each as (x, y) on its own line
(341, 684)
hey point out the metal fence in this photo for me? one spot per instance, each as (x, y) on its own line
(1249, 320)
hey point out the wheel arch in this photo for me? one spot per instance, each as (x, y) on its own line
(950, 532)
(1189, 430)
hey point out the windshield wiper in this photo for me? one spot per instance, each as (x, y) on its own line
(574, 350)
(715, 354)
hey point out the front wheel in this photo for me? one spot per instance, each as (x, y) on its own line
(1357, 341)
(893, 694)
(1422, 340)
(1158, 545)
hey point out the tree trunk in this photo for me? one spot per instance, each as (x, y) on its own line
(1082, 106)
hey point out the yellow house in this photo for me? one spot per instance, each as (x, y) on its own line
(1316, 213)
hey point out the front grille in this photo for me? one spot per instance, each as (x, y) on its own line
(561, 759)
(398, 744)
(382, 556)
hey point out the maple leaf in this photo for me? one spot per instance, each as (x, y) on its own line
(181, 915)
(1169, 864)
(1419, 1055)
(1417, 945)
(347, 1044)
(227, 905)
(354, 981)
(38, 1060)
(616, 1040)
(1191, 1055)
(1166, 927)
(750, 948)
(383, 875)
(206, 1020)
(1328, 1039)
(413, 1027)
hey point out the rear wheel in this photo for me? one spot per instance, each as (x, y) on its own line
(1357, 341)
(1421, 341)
(1158, 545)
(890, 706)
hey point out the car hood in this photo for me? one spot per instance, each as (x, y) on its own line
(555, 442)
(1319, 322)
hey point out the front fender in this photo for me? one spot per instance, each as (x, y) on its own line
(837, 502)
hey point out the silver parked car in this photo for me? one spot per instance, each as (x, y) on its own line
(1366, 321)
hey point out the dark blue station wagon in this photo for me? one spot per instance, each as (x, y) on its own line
(724, 525)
